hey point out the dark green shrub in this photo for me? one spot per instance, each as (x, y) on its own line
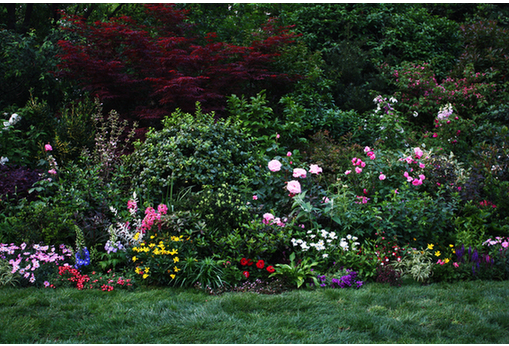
(191, 150)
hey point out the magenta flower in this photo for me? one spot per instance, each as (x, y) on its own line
(422, 165)
(382, 176)
(358, 170)
(275, 165)
(52, 171)
(417, 182)
(348, 172)
(456, 265)
(48, 147)
(255, 197)
(315, 169)
(289, 154)
(299, 173)
(293, 186)
(162, 208)
(131, 205)
(421, 177)
(367, 150)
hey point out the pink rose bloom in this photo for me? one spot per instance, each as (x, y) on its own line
(363, 164)
(435, 135)
(409, 179)
(275, 165)
(405, 174)
(418, 152)
(421, 177)
(417, 182)
(293, 186)
(255, 197)
(315, 169)
(299, 173)
(48, 147)
(348, 172)
(358, 170)
(52, 171)
(422, 165)
(289, 154)
(372, 156)
(354, 161)
(382, 176)
(367, 149)
(267, 217)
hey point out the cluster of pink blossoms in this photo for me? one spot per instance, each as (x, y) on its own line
(269, 219)
(151, 216)
(410, 160)
(293, 186)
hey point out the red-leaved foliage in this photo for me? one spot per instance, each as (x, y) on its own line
(146, 73)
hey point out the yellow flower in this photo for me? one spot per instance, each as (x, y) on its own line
(147, 269)
(173, 252)
(138, 270)
(176, 269)
(450, 245)
(136, 236)
(151, 245)
(430, 246)
(152, 237)
(175, 260)
(437, 253)
(134, 258)
(446, 260)
(145, 276)
(172, 276)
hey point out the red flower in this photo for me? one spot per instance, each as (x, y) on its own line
(271, 269)
(249, 262)
(243, 261)
(246, 274)
(260, 264)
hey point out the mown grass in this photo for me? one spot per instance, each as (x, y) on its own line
(464, 312)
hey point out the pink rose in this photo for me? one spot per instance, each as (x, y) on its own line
(275, 165)
(289, 154)
(421, 177)
(358, 170)
(422, 165)
(382, 176)
(418, 152)
(293, 186)
(417, 182)
(367, 149)
(299, 173)
(315, 169)
(255, 197)
(267, 217)
(48, 147)
(348, 172)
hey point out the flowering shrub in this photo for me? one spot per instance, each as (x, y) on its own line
(34, 264)
(104, 282)
(255, 268)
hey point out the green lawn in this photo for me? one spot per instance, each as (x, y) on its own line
(464, 312)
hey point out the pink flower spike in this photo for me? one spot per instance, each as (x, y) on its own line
(48, 147)
(274, 165)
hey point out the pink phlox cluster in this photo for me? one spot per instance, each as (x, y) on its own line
(151, 216)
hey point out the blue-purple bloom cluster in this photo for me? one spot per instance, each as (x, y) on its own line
(345, 281)
(82, 258)
(113, 247)
(472, 256)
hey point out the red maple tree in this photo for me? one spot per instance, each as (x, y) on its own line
(146, 73)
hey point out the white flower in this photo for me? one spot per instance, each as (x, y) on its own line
(325, 255)
(349, 237)
(416, 114)
(3, 160)
(392, 99)
(354, 238)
